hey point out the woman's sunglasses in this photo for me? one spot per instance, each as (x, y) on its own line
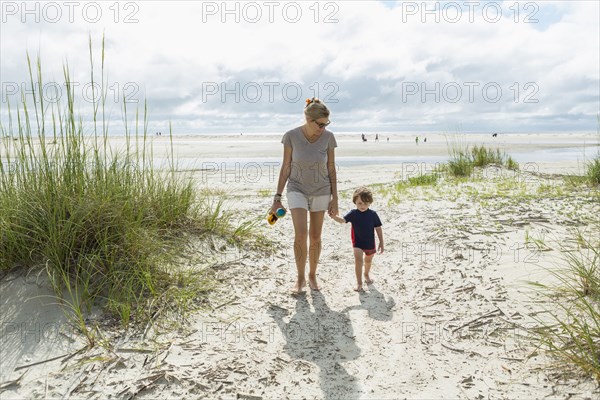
(321, 126)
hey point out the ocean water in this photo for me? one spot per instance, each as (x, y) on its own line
(581, 154)
(578, 147)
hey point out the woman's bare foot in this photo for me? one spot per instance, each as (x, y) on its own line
(368, 279)
(358, 288)
(299, 287)
(312, 283)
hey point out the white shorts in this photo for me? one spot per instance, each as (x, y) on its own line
(310, 203)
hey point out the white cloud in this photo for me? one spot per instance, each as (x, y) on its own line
(365, 59)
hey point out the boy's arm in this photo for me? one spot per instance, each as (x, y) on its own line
(338, 219)
(380, 237)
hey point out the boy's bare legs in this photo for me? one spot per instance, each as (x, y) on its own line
(368, 260)
(358, 264)
(314, 235)
(300, 248)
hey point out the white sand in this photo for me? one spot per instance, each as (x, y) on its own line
(444, 318)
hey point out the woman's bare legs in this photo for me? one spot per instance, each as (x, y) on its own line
(314, 234)
(299, 217)
(301, 249)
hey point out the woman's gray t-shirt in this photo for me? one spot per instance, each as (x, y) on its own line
(309, 174)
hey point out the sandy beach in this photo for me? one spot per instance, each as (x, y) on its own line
(446, 318)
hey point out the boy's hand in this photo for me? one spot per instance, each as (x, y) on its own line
(380, 248)
(337, 218)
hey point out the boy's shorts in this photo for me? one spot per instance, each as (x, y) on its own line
(368, 252)
(310, 203)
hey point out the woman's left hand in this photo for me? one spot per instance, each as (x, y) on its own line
(333, 207)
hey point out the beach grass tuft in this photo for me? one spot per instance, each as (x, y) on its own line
(423, 179)
(593, 170)
(463, 159)
(106, 224)
(592, 167)
(572, 333)
(481, 156)
(460, 165)
(512, 164)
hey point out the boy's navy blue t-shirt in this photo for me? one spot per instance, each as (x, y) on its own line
(363, 228)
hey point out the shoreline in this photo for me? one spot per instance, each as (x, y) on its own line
(551, 153)
(192, 151)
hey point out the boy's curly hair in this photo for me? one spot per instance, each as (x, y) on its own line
(364, 193)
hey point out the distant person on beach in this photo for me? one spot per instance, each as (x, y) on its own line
(364, 138)
(365, 222)
(424, 140)
(308, 168)
(417, 140)
(377, 137)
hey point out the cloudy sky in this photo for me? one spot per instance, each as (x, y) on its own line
(473, 66)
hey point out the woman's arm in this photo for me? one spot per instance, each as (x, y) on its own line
(284, 174)
(333, 204)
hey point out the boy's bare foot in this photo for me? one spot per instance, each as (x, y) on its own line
(358, 288)
(312, 283)
(299, 287)
(368, 279)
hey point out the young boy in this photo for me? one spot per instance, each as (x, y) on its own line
(364, 223)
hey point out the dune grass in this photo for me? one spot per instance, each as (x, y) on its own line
(461, 166)
(423, 179)
(463, 159)
(460, 163)
(107, 226)
(572, 334)
(592, 167)
(593, 171)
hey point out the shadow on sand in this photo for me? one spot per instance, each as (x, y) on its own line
(375, 304)
(33, 325)
(323, 337)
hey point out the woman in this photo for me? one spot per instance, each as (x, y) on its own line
(309, 170)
